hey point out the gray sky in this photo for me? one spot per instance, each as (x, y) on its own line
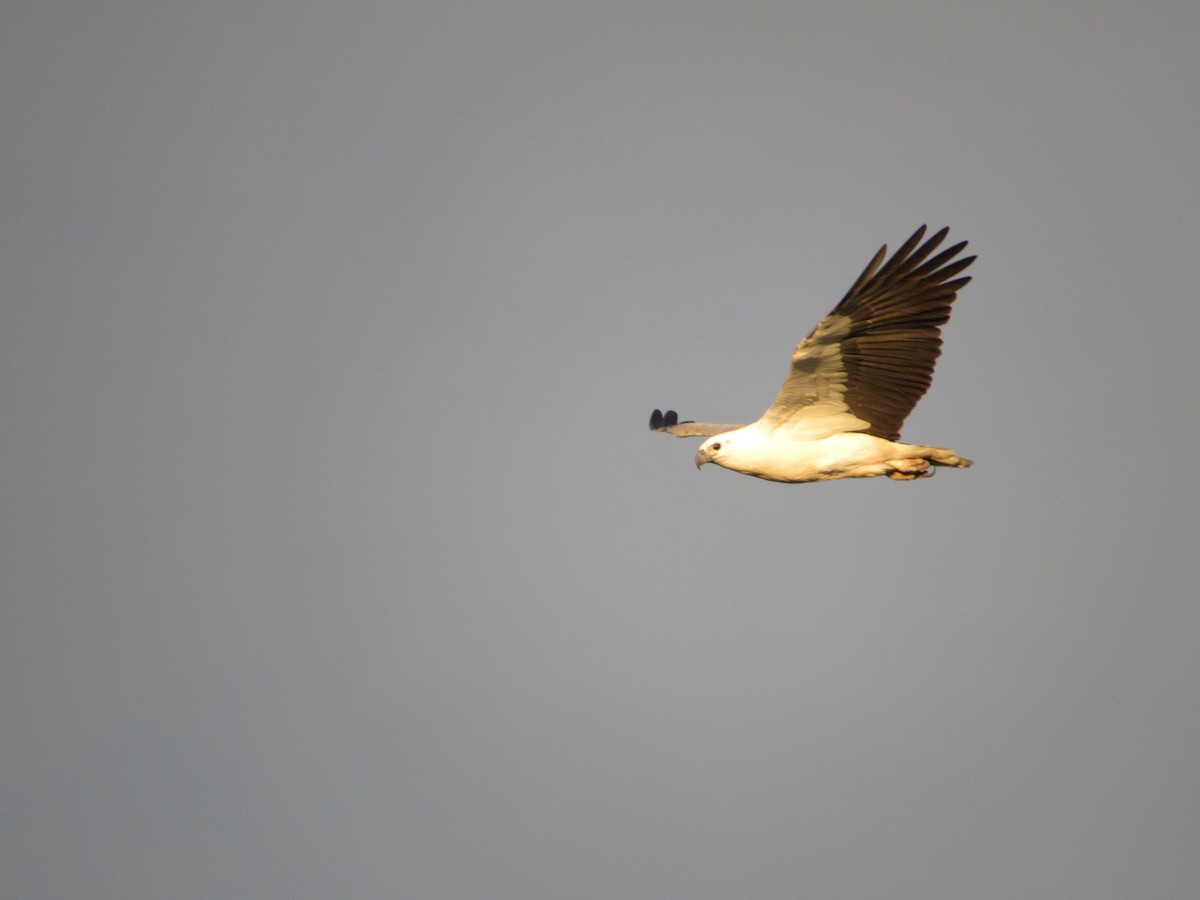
(337, 560)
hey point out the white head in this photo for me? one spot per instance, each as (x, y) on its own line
(745, 449)
(733, 449)
(713, 449)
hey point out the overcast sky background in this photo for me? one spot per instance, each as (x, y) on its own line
(337, 559)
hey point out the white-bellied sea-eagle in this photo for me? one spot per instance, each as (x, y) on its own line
(853, 380)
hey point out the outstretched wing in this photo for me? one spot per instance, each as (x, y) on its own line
(865, 366)
(669, 423)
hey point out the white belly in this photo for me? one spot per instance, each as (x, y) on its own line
(777, 457)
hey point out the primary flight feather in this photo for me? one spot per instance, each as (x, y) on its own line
(853, 380)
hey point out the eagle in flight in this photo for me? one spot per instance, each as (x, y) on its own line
(853, 380)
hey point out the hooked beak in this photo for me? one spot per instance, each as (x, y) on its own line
(701, 459)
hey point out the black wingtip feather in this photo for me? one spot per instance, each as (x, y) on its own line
(660, 420)
(894, 342)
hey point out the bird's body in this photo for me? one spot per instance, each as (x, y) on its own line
(853, 381)
(778, 456)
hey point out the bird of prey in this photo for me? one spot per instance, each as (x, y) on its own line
(853, 380)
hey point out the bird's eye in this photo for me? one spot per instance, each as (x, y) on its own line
(716, 446)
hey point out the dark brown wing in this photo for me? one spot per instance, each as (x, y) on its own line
(865, 366)
(669, 423)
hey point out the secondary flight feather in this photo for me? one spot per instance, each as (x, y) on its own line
(853, 380)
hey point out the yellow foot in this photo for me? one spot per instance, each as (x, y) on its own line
(909, 469)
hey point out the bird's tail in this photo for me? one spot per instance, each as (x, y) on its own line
(940, 456)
